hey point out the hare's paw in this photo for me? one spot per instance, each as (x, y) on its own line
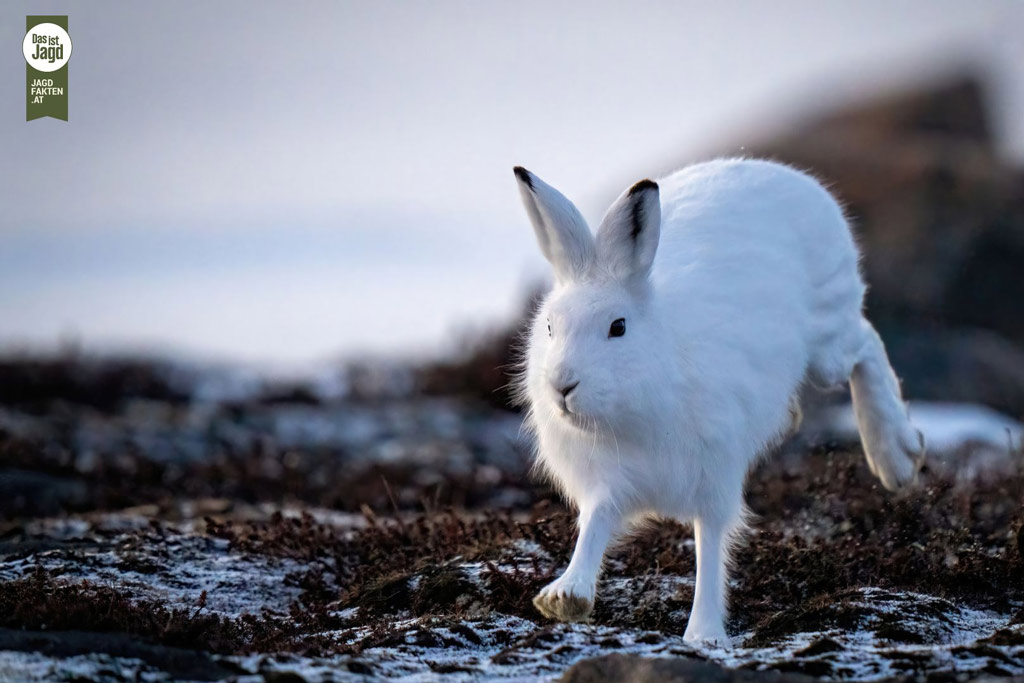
(566, 599)
(898, 463)
(707, 635)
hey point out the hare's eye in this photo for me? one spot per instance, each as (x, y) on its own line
(549, 328)
(618, 328)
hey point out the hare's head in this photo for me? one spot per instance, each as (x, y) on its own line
(594, 344)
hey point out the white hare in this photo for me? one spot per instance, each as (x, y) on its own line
(670, 352)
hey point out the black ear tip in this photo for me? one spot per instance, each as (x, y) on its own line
(645, 184)
(523, 175)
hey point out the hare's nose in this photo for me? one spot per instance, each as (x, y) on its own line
(566, 389)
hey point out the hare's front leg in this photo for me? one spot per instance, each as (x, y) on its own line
(707, 617)
(571, 596)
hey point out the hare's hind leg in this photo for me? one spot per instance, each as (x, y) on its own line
(855, 353)
(571, 596)
(894, 449)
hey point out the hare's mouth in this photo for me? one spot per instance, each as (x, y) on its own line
(577, 419)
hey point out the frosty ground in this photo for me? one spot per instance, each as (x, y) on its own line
(168, 526)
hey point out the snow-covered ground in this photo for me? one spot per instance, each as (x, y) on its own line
(886, 632)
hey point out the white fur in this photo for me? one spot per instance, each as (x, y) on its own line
(751, 288)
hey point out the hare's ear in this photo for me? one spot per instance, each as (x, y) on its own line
(628, 237)
(562, 233)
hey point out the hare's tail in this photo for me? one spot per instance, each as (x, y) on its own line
(894, 448)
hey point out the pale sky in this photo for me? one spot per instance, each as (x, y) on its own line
(292, 181)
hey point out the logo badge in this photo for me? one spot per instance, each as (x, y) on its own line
(47, 49)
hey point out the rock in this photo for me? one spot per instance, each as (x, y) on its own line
(634, 669)
(283, 677)
(23, 492)
(178, 662)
